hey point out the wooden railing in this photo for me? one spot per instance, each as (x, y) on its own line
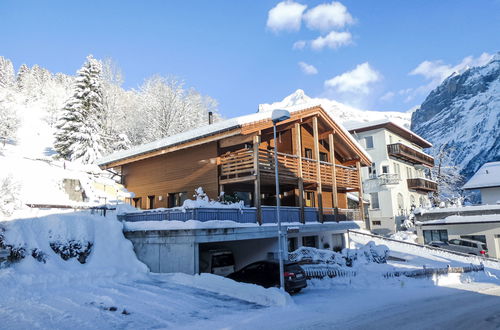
(241, 164)
(422, 184)
(401, 151)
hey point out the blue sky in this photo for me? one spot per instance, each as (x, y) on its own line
(240, 54)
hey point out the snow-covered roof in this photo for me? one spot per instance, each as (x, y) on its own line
(461, 219)
(390, 125)
(486, 177)
(208, 130)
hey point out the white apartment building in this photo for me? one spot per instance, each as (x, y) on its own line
(396, 182)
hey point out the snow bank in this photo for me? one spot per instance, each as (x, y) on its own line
(111, 254)
(224, 286)
(405, 236)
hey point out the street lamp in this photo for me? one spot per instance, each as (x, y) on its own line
(277, 116)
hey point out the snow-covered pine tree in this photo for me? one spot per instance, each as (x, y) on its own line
(6, 73)
(22, 74)
(9, 123)
(79, 134)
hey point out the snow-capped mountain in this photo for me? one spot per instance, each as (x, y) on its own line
(343, 113)
(463, 115)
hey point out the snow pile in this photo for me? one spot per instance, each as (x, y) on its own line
(224, 286)
(405, 236)
(202, 201)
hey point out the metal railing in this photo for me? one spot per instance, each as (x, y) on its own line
(243, 215)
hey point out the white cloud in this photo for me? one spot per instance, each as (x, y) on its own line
(387, 96)
(435, 72)
(327, 16)
(286, 15)
(308, 68)
(355, 81)
(299, 44)
(332, 40)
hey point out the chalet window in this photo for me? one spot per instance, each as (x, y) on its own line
(374, 201)
(308, 153)
(323, 156)
(385, 169)
(310, 200)
(177, 199)
(310, 241)
(137, 202)
(151, 202)
(369, 142)
(397, 170)
(435, 235)
(376, 223)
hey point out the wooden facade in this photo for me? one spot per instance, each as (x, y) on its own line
(318, 165)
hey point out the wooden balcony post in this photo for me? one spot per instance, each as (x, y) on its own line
(256, 169)
(360, 195)
(298, 153)
(334, 171)
(318, 169)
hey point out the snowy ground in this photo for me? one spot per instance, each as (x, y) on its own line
(113, 290)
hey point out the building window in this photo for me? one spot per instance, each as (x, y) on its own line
(413, 204)
(397, 170)
(177, 199)
(308, 153)
(376, 223)
(385, 169)
(151, 202)
(310, 241)
(292, 244)
(323, 156)
(372, 170)
(401, 204)
(435, 235)
(374, 201)
(369, 142)
(409, 173)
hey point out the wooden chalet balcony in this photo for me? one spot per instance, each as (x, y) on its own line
(403, 152)
(422, 184)
(239, 166)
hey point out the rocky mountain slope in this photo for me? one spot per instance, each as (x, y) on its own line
(462, 116)
(341, 112)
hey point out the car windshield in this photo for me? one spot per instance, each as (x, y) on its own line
(223, 260)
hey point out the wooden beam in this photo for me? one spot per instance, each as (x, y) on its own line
(318, 168)
(331, 144)
(237, 179)
(256, 169)
(360, 195)
(298, 153)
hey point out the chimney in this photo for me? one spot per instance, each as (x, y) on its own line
(210, 118)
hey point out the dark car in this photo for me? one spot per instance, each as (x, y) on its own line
(266, 274)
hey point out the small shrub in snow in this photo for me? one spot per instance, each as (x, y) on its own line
(370, 253)
(72, 249)
(39, 255)
(16, 253)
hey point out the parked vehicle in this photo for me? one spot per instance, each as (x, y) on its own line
(463, 245)
(266, 273)
(217, 261)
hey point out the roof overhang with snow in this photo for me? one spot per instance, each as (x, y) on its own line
(242, 125)
(393, 127)
(488, 176)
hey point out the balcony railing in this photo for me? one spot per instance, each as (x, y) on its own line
(388, 178)
(288, 214)
(401, 151)
(422, 184)
(241, 164)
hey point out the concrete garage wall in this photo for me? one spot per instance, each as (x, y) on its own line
(168, 258)
(246, 251)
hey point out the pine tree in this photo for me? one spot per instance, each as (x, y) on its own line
(79, 135)
(21, 76)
